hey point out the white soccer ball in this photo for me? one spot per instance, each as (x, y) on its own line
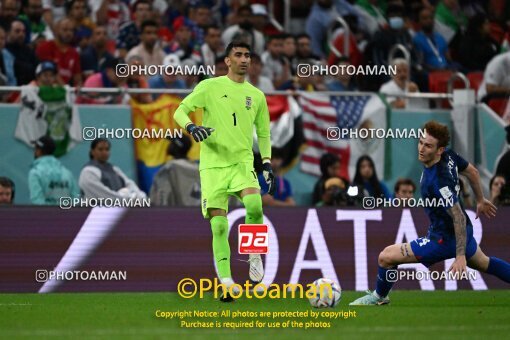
(324, 293)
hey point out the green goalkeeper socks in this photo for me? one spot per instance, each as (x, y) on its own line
(219, 227)
(221, 248)
(253, 205)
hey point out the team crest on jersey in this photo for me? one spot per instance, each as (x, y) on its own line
(248, 103)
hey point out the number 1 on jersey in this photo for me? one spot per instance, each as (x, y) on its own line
(235, 120)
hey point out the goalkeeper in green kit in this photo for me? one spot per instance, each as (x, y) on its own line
(232, 107)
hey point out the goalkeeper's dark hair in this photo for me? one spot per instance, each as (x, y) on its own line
(235, 44)
(94, 144)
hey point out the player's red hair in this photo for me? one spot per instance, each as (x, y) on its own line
(439, 132)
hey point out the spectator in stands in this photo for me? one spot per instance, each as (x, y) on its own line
(167, 81)
(450, 19)
(148, 49)
(304, 53)
(164, 33)
(48, 179)
(477, 47)
(37, 28)
(343, 81)
(255, 76)
(25, 60)
(200, 19)
(129, 35)
(212, 47)
(220, 68)
(177, 183)
(404, 188)
(183, 44)
(276, 67)
(137, 80)
(96, 55)
(110, 13)
(345, 9)
(430, 46)
(400, 85)
(191, 79)
(158, 6)
(7, 191)
(503, 166)
(330, 167)
(260, 18)
(289, 52)
(318, 24)
(244, 31)
(373, 13)
(496, 78)
(107, 78)
(283, 193)
(9, 10)
(7, 74)
(62, 53)
(366, 179)
(77, 10)
(101, 179)
(45, 74)
(53, 12)
(395, 33)
(495, 185)
(335, 193)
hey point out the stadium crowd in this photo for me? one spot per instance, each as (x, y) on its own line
(86, 40)
(81, 43)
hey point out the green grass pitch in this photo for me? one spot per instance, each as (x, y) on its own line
(411, 314)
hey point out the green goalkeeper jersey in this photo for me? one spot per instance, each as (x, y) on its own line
(232, 109)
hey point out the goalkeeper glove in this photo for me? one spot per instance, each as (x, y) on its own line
(199, 133)
(267, 172)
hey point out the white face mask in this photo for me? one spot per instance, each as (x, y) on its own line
(396, 23)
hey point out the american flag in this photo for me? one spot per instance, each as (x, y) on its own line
(323, 113)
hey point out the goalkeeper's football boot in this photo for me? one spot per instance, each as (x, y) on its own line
(256, 268)
(225, 295)
(370, 299)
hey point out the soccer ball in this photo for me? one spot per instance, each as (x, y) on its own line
(323, 296)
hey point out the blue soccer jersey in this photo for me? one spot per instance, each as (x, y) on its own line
(440, 184)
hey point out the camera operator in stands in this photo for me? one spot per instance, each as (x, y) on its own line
(336, 194)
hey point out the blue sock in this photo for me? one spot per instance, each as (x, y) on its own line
(499, 268)
(383, 286)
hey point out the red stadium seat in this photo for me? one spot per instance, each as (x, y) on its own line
(475, 79)
(498, 105)
(438, 81)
